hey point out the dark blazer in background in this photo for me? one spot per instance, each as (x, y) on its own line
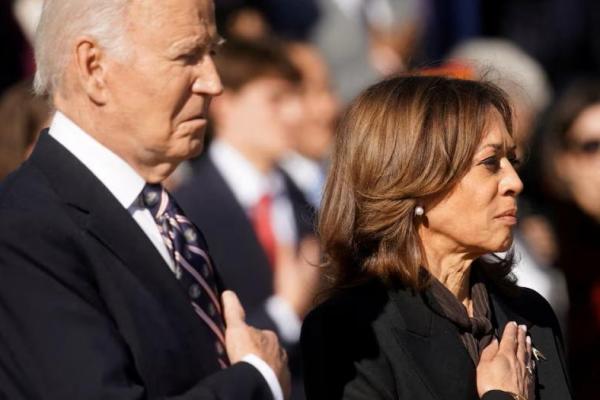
(374, 343)
(88, 307)
(209, 202)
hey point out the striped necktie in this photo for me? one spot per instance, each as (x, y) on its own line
(193, 267)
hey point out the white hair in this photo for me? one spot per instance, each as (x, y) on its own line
(508, 66)
(62, 22)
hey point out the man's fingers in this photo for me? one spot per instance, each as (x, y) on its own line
(490, 351)
(509, 338)
(232, 309)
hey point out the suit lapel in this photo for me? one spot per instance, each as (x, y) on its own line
(98, 212)
(434, 346)
(304, 213)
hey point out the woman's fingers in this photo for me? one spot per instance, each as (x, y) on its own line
(508, 343)
(522, 345)
(490, 351)
(529, 352)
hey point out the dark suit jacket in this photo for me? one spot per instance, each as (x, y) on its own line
(88, 308)
(373, 342)
(210, 204)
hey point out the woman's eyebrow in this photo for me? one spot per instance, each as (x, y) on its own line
(498, 147)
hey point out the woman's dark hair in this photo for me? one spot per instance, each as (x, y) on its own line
(402, 140)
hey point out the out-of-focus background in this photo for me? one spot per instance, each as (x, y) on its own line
(544, 53)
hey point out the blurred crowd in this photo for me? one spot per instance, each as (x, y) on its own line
(289, 67)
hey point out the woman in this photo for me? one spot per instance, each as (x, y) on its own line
(422, 189)
(571, 172)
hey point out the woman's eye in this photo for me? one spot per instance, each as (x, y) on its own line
(515, 161)
(491, 163)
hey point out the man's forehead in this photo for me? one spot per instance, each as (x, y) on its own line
(174, 25)
(160, 14)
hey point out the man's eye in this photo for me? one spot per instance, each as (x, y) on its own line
(191, 57)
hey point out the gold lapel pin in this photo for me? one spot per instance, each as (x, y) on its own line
(538, 355)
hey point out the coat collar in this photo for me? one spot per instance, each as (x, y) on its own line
(434, 346)
(503, 312)
(92, 206)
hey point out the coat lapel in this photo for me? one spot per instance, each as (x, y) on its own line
(98, 212)
(551, 374)
(434, 346)
(502, 313)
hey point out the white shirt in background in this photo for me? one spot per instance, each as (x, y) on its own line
(248, 186)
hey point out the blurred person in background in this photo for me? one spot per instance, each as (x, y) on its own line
(517, 73)
(307, 162)
(364, 40)
(247, 23)
(27, 14)
(526, 83)
(570, 170)
(15, 51)
(290, 19)
(257, 221)
(23, 117)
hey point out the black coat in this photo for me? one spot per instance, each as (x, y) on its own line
(88, 307)
(373, 342)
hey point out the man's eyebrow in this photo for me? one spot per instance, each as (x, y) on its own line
(187, 44)
(196, 42)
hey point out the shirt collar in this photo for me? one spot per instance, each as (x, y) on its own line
(245, 181)
(118, 176)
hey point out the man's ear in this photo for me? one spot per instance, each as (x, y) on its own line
(91, 69)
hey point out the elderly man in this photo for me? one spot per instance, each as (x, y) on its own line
(107, 291)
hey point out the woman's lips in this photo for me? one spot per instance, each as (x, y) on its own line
(509, 217)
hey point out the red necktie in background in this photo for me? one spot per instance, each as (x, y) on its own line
(261, 220)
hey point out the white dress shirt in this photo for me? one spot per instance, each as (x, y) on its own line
(248, 186)
(126, 184)
(307, 174)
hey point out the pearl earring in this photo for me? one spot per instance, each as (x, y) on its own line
(419, 211)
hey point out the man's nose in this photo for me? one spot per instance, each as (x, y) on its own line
(207, 80)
